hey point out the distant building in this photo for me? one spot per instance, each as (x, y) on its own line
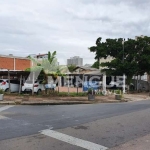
(14, 62)
(87, 65)
(103, 60)
(141, 36)
(76, 60)
(39, 56)
(86, 70)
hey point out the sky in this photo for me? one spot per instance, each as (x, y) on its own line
(68, 26)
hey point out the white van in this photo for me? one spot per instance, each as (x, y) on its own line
(14, 85)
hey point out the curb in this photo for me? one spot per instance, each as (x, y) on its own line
(51, 103)
(44, 103)
(19, 102)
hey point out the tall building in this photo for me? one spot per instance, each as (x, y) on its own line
(76, 60)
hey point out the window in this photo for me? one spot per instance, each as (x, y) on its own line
(14, 82)
(1, 81)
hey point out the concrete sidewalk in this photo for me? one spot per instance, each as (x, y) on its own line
(136, 96)
(142, 143)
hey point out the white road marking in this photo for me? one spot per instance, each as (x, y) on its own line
(72, 140)
(5, 107)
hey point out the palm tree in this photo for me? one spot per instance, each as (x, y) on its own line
(51, 56)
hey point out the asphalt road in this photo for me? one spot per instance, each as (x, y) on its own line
(75, 127)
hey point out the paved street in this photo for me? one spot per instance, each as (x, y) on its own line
(94, 127)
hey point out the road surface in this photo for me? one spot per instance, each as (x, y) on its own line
(117, 126)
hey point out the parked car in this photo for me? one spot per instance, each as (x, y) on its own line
(28, 86)
(14, 85)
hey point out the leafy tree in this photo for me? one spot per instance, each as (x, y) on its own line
(99, 49)
(124, 58)
(132, 58)
(96, 65)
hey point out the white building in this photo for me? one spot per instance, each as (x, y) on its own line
(40, 57)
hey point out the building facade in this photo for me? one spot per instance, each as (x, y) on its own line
(14, 63)
(76, 60)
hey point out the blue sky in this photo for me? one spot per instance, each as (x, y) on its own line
(68, 26)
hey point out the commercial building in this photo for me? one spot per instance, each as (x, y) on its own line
(76, 60)
(14, 62)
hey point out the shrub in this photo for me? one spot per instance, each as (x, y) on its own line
(1, 91)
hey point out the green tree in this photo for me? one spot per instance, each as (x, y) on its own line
(124, 58)
(132, 58)
(96, 65)
(99, 49)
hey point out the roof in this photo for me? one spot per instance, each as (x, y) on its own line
(41, 55)
(12, 56)
(94, 73)
(14, 73)
(86, 68)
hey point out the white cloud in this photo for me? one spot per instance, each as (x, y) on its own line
(68, 26)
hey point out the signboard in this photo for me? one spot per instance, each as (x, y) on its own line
(90, 84)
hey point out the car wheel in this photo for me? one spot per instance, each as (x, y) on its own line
(7, 90)
(39, 92)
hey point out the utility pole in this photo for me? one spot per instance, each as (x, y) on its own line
(123, 73)
(123, 50)
(33, 80)
(9, 90)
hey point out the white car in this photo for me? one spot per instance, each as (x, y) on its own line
(28, 86)
(14, 85)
